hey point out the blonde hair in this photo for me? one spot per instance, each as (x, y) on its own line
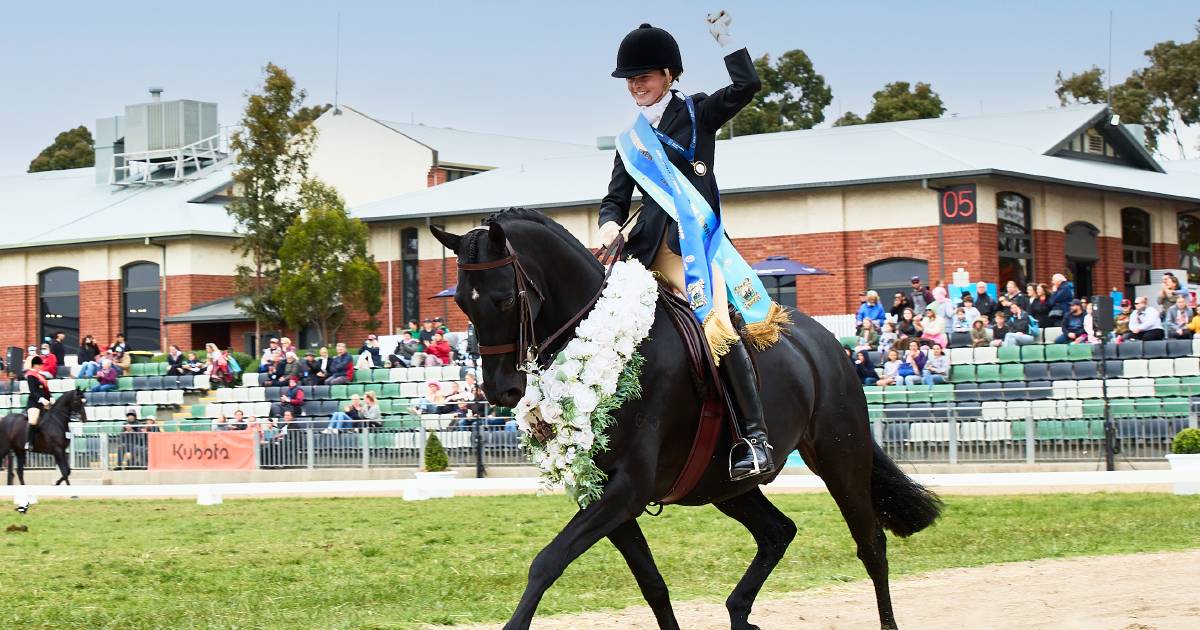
(370, 396)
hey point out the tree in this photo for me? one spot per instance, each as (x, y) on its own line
(71, 149)
(272, 152)
(324, 266)
(898, 101)
(306, 115)
(1082, 87)
(793, 97)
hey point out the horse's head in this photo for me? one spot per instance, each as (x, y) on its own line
(521, 277)
(75, 402)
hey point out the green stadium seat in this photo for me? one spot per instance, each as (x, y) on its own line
(1050, 430)
(1056, 352)
(1035, 353)
(338, 392)
(941, 393)
(1189, 386)
(1008, 354)
(362, 376)
(1093, 408)
(1017, 429)
(1167, 386)
(1012, 371)
(125, 383)
(875, 412)
(1147, 407)
(919, 394)
(356, 388)
(874, 394)
(962, 373)
(1175, 406)
(989, 373)
(138, 369)
(390, 390)
(385, 405)
(380, 375)
(848, 342)
(1121, 407)
(198, 410)
(895, 394)
(148, 411)
(1079, 352)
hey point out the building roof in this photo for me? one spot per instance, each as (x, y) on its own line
(1019, 145)
(482, 151)
(224, 310)
(67, 207)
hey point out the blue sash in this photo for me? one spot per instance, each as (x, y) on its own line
(702, 242)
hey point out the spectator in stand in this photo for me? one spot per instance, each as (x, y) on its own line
(999, 328)
(439, 349)
(318, 370)
(864, 369)
(58, 347)
(268, 355)
(888, 337)
(899, 303)
(88, 353)
(1169, 290)
(308, 368)
(341, 367)
(933, 328)
(960, 323)
(968, 306)
(464, 416)
(349, 414)
(286, 345)
(1062, 291)
(440, 326)
(365, 361)
(912, 364)
(1089, 325)
(907, 326)
(413, 328)
(919, 296)
(871, 309)
(868, 336)
(1145, 324)
(937, 367)
(106, 378)
(372, 417)
(193, 365)
(1039, 306)
(293, 368)
(1013, 294)
(275, 374)
(239, 422)
(984, 302)
(403, 353)
(221, 423)
(175, 360)
(120, 356)
(49, 362)
(1121, 321)
(943, 307)
(425, 335)
(1178, 318)
(218, 367)
(979, 338)
(1017, 329)
(288, 421)
(1072, 325)
(290, 399)
(891, 369)
(235, 368)
(431, 401)
(371, 345)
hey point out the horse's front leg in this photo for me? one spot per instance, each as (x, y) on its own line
(21, 467)
(629, 540)
(64, 466)
(619, 503)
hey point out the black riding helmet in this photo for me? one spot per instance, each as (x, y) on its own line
(35, 361)
(647, 48)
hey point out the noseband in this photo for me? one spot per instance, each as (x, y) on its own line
(527, 344)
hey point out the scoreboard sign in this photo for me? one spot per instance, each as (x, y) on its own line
(956, 205)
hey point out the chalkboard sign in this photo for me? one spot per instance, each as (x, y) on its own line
(956, 205)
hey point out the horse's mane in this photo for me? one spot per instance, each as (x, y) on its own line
(503, 217)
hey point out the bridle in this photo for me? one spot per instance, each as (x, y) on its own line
(527, 344)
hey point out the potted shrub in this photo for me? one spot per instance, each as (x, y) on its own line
(1185, 461)
(435, 481)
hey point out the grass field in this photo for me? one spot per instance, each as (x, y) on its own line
(384, 563)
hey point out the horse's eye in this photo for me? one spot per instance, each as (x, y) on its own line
(508, 304)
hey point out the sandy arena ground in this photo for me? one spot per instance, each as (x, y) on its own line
(1159, 591)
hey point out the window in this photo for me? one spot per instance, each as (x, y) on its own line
(1135, 237)
(1189, 245)
(141, 306)
(58, 305)
(410, 270)
(453, 174)
(1016, 239)
(889, 277)
(781, 289)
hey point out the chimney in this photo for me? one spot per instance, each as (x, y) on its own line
(156, 94)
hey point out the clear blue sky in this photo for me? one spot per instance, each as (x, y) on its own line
(536, 68)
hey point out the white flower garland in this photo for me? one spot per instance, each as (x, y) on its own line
(593, 376)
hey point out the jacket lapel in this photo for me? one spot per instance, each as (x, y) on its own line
(669, 114)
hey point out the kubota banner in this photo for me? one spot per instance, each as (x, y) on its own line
(202, 450)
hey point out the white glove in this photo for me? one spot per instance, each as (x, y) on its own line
(718, 26)
(608, 233)
(43, 401)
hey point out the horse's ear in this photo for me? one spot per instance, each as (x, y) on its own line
(496, 233)
(451, 241)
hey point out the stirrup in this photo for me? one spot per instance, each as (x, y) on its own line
(750, 444)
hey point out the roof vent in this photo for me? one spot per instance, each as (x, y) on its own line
(1095, 143)
(156, 94)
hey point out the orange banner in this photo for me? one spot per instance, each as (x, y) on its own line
(202, 450)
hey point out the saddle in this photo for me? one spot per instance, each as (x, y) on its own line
(707, 383)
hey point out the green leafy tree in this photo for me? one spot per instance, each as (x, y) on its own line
(324, 266)
(898, 101)
(272, 151)
(306, 115)
(72, 148)
(1081, 87)
(793, 97)
(847, 119)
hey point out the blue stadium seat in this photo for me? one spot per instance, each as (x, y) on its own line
(128, 397)
(1114, 369)
(170, 382)
(1131, 349)
(895, 411)
(1154, 349)
(154, 382)
(990, 391)
(1061, 371)
(62, 371)
(1015, 390)
(1086, 369)
(311, 408)
(139, 383)
(966, 392)
(960, 340)
(1040, 390)
(330, 407)
(187, 381)
(1179, 348)
(4, 387)
(1110, 350)
(97, 399)
(320, 392)
(272, 393)
(968, 410)
(920, 412)
(307, 389)
(1036, 372)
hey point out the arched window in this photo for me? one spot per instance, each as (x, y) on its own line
(410, 267)
(141, 305)
(1016, 238)
(1082, 253)
(889, 277)
(1135, 237)
(1189, 245)
(58, 305)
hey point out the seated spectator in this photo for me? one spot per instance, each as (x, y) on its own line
(979, 338)
(899, 303)
(439, 349)
(1039, 306)
(175, 361)
(1000, 328)
(239, 421)
(871, 309)
(1017, 329)
(287, 421)
(286, 345)
(308, 366)
(864, 369)
(221, 423)
(1145, 324)
(1178, 318)
(933, 328)
(1121, 321)
(372, 416)
(275, 375)
(49, 362)
(984, 302)
(1072, 325)
(1014, 295)
(440, 326)
(891, 369)
(193, 365)
(292, 367)
(1169, 291)
(937, 367)
(961, 323)
(217, 366)
(913, 363)
(106, 378)
(365, 361)
(88, 357)
(425, 335)
(868, 336)
(431, 401)
(119, 353)
(318, 369)
(888, 337)
(371, 345)
(403, 353)
(1089, 327)
(268, 355)
(969, 310)
(907, 326)
(235, 368)
(290, 399)
(341, 367)
(351, 412)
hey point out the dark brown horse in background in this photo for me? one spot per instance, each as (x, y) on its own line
(51, 438)
(526, 266)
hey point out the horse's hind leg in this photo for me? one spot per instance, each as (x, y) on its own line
(773, 531)
(628, 539)
(21, 467)
(851, 489)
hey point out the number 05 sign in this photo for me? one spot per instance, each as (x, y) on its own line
(956, 204)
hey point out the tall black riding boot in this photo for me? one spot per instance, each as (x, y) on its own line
(30, 434)
(750, 457)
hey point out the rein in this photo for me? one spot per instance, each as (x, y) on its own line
(527, 344)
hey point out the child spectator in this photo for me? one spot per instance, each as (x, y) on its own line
(979, 338)
(864, 369)
(937, 367)
(868, 337)
(891, 369)
(1000, 329)
(961, 323)
(175, 361)
(888, 337)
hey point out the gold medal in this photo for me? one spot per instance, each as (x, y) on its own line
(700, 168)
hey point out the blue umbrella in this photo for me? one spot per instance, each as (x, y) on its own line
(448, 292)
(784, 266)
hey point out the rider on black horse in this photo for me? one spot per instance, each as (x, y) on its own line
(649, 60)
(39, 399)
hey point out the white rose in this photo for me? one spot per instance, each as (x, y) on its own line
(585, 400)
(624, 346)
(568, 477)
(551, 411)
(569, 370)
(585, 439)
(593, 373)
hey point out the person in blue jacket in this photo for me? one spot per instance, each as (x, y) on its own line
(871, 309)
(1062, 291)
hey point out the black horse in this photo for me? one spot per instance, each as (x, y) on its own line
(812, 400)
(51, 437)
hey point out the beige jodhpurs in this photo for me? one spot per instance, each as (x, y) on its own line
(34, 415)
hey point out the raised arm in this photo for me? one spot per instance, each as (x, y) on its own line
(720, 106)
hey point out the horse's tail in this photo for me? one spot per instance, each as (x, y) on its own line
(904, 506)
